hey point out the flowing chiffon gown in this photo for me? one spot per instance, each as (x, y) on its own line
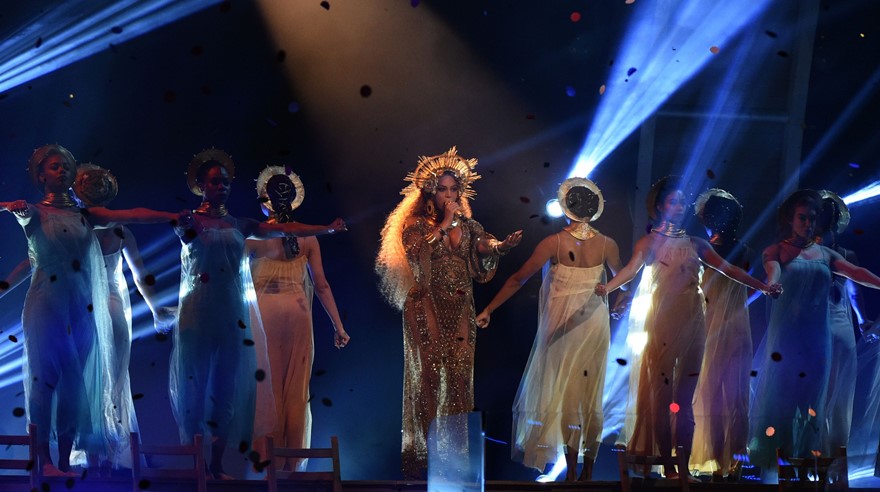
(284, 293)
(120, 314)
(67, 331)
(844, 366)
(214, 374)
(559, 401)
(721, 402)
(668, 369)
(788, 409)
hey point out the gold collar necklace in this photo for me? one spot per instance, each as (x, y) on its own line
(206, 209)
(581, 231)
(669, 229)
(58, 200)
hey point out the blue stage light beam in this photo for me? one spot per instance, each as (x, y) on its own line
(866, 193)
(72, 31)
(668, 42)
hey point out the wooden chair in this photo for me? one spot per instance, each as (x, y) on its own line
(273, 474)
(816, 473)
(30, 464)
(140, 473)
(626, 461)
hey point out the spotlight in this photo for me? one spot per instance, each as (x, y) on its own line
(865, 193)
(553, 208)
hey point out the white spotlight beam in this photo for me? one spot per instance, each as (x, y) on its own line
(75, 30)
(668, 42)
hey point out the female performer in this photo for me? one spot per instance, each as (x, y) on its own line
(431, 251)
(286, 271)
(558, 407)
(214, 370)
(67, 327)
(721, 402)
(675, 323)
(789, 410)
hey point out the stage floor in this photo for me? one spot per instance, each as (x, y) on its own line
(119, 484)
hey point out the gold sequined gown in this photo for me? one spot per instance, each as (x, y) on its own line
(439, 333)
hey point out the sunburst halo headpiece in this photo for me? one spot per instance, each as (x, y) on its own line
(208, 155)
(429, 170)
(269, 173)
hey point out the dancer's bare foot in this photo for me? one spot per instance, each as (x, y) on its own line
(587, 470)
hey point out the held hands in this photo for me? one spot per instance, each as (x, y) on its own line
(600, 290)
(483, 319)
(341, 338)
(18, 207)
(337, 225)
(774, 290)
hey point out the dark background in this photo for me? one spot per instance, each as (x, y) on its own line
(351, 95)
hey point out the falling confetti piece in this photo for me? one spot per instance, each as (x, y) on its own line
(241, 324)
(4, 285)
(571, 255)
(674, 408)
(525, 199)
(248, 342)
(631, 71)
(534, 216)
(18, 412)
(602, 89)
(771, 34)
(776, 356)
(770, 431)
(802, 375)
(150, 280)
(13, 339)
(710, 174)
(137, 396)
(811, 412)
(204, 277)
(783, 54)
(621, 362)
(326, 5)
(754, 374)
(714, 50)
(366, 91)
(327, 402)
(575, 16)
(630, 2)
(260, 375)
(319, 372)
(38, 43)
(570, 92)
(546, 165)
(816, 453)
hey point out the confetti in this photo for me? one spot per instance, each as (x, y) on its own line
(621, 362)
(714, 50)
(776, 356)
(770, 431)
(327, 402)
(575, 16)
(710, 174)
(366, 91)
(116, 30)
(783, 54)
(326, 5)
(13, 339)
(816, 453)
(602, 89)
(18, 412)
(38, 43)
(569, 91)
(771, 34)
(631, 71)
(674, 408)
(630, 2)
(525, 199)
(811, 412)
(260, 375)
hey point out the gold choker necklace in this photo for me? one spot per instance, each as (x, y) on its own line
(206, 209)
(801, 246)
(668, 229)
(58, 200)
(581, 231)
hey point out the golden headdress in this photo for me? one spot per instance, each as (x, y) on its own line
(94, 185)
(40, 155)
(202, 157)
(581, 200)
(429, 170)
(843, 216)
(269, 173)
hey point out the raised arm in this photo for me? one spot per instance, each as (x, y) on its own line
(710, 257)
(855, 273)
(19, 274)
(263, 230)
(100, 216)
(542, 254)
(488, 247)
(325, 295)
